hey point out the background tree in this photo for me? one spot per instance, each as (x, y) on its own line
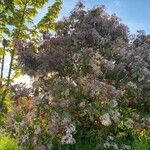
(16, 22)
(82, 83)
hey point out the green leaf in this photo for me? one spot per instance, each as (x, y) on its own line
(2, 52)
(4, 30)
(47, 21)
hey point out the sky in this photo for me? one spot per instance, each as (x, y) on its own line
(133, 13)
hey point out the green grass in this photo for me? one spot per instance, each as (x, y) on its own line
(141, 142)
(81, 144)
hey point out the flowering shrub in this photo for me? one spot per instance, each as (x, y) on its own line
(88, 79)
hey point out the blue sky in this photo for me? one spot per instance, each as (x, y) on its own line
(134, 13)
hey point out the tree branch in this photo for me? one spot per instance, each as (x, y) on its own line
(12, 57)
(2, 68)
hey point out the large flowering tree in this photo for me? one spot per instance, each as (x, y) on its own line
(85, 75)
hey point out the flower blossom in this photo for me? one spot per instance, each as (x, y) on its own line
(106, 120)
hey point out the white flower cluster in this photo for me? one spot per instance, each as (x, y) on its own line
(115, 116)
(95, 63)
(95, 91)
(19, 125)
(66, 121)
(135, 116)
(110, 143)
(37, 129)
(109, 64)
(24, 138)
(129, 123)
(106, 119)
(131, 84)
(76, 57)
(113, 103)
(68, 138)
(146, 121)
(82, 104)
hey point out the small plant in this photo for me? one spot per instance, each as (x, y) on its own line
(7, 143)
(141, 142)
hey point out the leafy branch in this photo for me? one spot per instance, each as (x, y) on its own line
(12, 58)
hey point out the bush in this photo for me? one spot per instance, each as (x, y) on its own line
(7, 143)
(87, 82)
